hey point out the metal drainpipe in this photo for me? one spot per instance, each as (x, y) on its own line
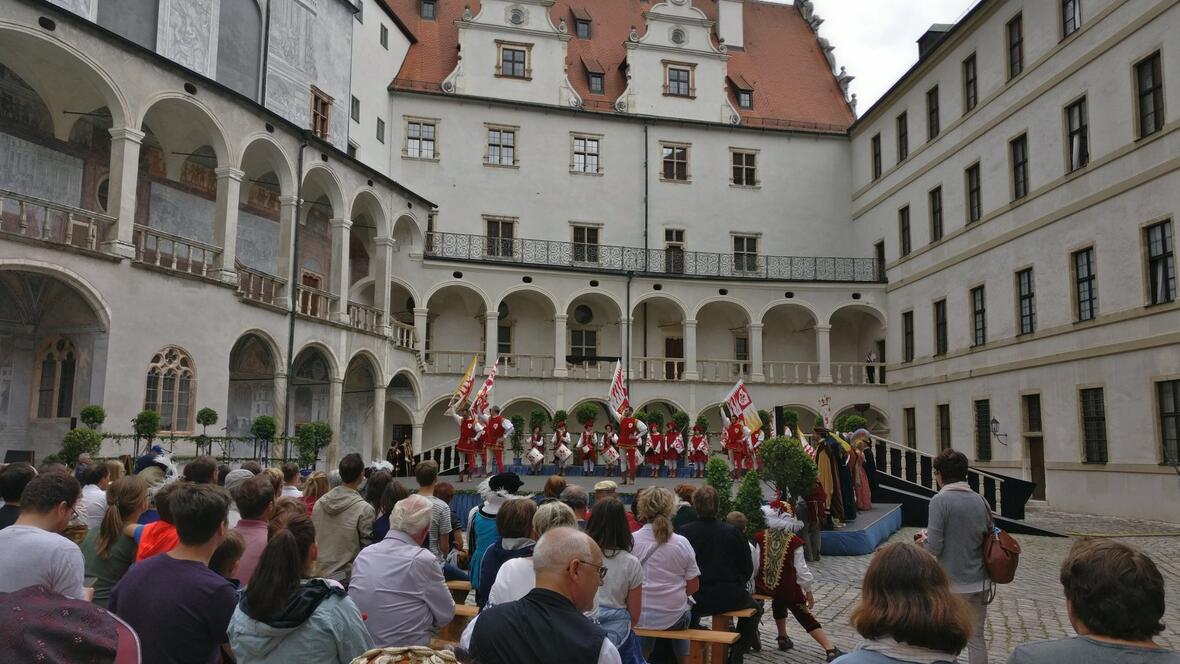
(646, 214)
(292, 286)
(627, 341)
(265, 56)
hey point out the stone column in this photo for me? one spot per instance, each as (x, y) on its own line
(559, 368)
(280, 402)
(416, 439)
(288, 209)
(335, 398)
(121, 192)
(690, 350)
(757, 371)
(421, 315)
(823, 345)
(384, 250)
(625, 345)
(225, 223)
(379, 422)
(492, 319)
(341, 271)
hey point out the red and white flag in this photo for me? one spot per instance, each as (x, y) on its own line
(739, 403)
(483, 399)
(617, 397)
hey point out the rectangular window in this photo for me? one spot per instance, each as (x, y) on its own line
(944, 426)
(597, 83)
(1032, 413)
(745, 253)
(741, 353)
(940, 328)
(321, 113)
(935, 214)
(1161, 265)
(429, 9)
(585, 154)
(586, 244)
(1026, 303)
(1019, 151)
(675, 162)
(974, 195)
(503, 339)
(1085, 284)
(907, 336)
(420, 139)
(1078, 138)
(1094, 424)
(903, 137)
(501, 147)
(513, 62)
(970, 84)
(876, 147)
(1015, 46)
(674, 250)
(933, 125)
(1071, 17)
(582, 28)
(678, 81)
(911, 428)
(501, 233)
(356, 110)
(745, 168)
(978, 316)
(983, 430)
(384, 37)
(380, 130)
(1168, 394)
(745, 99)
(584, 344)
(903, 229)
(1149, 81)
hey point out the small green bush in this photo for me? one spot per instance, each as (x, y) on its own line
(703, 422)
(263, 427)
(764, 415)
(517, 434)
(791, 419)
(749, 501)
(717, 476)
(848, 423)
(310, 438)
(93, 416)
(587, 412)
(206, 417)
(538, 418)
(78, 442)
(788, 466)
(561, 416)
(147, 425)
(654, 416)
(681, 419)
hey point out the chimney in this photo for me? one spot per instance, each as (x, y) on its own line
(729, 22)
(932, 38)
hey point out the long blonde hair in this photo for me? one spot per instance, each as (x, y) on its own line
(656, 507)
(125, 497)
(316, 485)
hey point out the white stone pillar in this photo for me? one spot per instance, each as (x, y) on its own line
(757, 371)
(379, 422)
(121, 192)
(416, 441)
(384, 250)
(421, 315)
(288, 208)
(335, 397)
(823, 345)
(280, 402)
(625, 345)
(559, 332)
(690, 350)
(225, 223)
(341, 271)
(492, 319)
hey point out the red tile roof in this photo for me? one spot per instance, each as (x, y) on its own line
(794, 87)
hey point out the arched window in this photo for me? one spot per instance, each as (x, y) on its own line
(171, 383)
(57, 362)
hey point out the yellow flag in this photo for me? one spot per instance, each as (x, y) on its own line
(463, 389)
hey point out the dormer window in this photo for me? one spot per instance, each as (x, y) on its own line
(678, 79)
(582, 28)
(597, 84)
(429, 9)
(745, 99)
(595, 76)
(514, 60)
(742, 90)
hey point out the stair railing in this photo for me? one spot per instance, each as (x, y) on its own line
(917, 467)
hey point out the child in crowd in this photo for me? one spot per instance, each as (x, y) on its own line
(227, 556)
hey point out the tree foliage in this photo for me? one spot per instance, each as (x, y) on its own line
(147, 426)
(788, 466)
(517, 434)
(78, 442)
(587, 412)
(93, 416)
(850, 422)
(681, 419)
(749, 501)
(717, 476)
(263, 427)
(310, 438)
(538, 418)
(207, 417)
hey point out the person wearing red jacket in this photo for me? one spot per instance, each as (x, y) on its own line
(655, 448)
(497, 430)
(698, 454)
(630, 432)
(738, 441)
(561, 438)
(469, 429)
(673, 448)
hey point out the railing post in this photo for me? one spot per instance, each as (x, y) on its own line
(121, 194)
(690, 350)
(225, 223)
(559, 324)
(824, 346)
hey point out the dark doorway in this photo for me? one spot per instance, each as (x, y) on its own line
(673, 349)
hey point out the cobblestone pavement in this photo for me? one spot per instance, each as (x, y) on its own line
(1031, 608)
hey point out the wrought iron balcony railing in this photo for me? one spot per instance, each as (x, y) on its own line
(663, 262)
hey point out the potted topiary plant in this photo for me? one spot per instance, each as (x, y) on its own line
(310, 438)
(749, 501)
(681, 419)
(78, 442)
(717, 476)
(791, 419)
(517, 440)
(206, 417)
(587, 412)
(561, 416)
(788, 466)
(93, 416)
(538, 418)
(703, 423)
(850, 422)
(146, 426)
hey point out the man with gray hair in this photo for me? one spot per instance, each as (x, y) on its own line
(399, 584)
(547, 624)
(578, 500)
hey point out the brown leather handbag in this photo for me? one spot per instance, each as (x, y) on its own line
(1001, 552)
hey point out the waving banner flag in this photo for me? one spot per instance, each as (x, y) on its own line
(463, 389)
(483, 398)
(617, 397)
(825, 409)
(739, 402)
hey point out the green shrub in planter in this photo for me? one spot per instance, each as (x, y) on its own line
(654, 416)
(146, 426)
(517, 440)
(263, 427)
(538, 418)
(717, 476)
(206, 417)
(93, 416)
(788, 466)
(791, 419)
(847, 423)
(703, 423)
(561, 416)
(78, 442)
(587, 412)
(310, 438)
(681, 419)
(749, 501)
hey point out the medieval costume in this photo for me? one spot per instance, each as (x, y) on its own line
(536, 442)
(847, 491)
(756, 439)
(497, 430)
(469, 428)
(561, 448)
(588, 446)
(856, 466)
(655, 448)
(630, 431)
(827, 461)
(610, 448)
(673, 448)
(698, 454)
(738, 443)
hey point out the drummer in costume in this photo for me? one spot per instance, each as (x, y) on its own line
(610, 442)
(537, 442)
(588, 445)
(561, 438)
(673, 448)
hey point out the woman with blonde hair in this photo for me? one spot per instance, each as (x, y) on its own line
(670, 572)
(907, 612)
(314, 486)
(107, 551)
(115, 471)
(516, 577)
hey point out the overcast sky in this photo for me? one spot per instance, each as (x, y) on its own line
(877, 39)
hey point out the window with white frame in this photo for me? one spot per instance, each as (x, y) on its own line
(745, 167)
(585, 154)
(513, 60)
(582, 28)
(745, 253)
(674, 250)
(428, 9)
(596, 83)
(584, 344)
(678, 79)
(501, 146)
(585, 243)
(420, 139)
(675, 161)
(1071, 17)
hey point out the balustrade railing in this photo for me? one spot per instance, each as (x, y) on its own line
(590, 370)
(858, 373)
(172, 252)
(657, 368)
(663, 262)
(723, 371)
(452, 361)
(791, 373)
(521, 365)
(53, 223)
(918, 467)
(259, 286)
(314, 302)
(364, 317)
(403, 335)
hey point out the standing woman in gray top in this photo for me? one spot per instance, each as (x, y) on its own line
(959, 518)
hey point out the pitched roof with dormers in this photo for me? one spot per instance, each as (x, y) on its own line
(781, 58)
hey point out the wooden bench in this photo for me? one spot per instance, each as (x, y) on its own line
(763, 598)
(721, 624)
(700, 642)
(454, 629)
(459, 585)
(459, 591)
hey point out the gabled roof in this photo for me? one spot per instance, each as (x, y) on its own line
(780, 59)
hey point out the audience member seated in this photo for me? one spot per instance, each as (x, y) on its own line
(32, 550)
(108, 551)
(13, 479)
(685, 513)
(159, 536)
(514, 522)
(254, 467)
(398, 584)
(553, 488)
(175, 625)
(609, 489)
(547, 625)
(343, 522)
(394, 492)
(291, 480)
(288, 615)
(314, 486)
(445, 492)
(907, 612)
(93, 504)
(578, 500)
(723, 557)
(620, 599)
(516, 578)
(1114, 596)
(481, 520)
(228, 556)
(233, 480)
(55, 628)
(256, 503)
(670, 572)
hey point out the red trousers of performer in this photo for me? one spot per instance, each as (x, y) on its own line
(497, 454)
(631, 460)
(740, 462)
(470, 468)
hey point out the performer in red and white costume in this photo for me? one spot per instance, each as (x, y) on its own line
(673, 448)
(561, 438)
(469, 429)
(655, 448)
(630, 431)
(698, 454)
(537, 442)
(756, 439)
(738, 435)
(610, 441)
(588, 444)
(496, 431)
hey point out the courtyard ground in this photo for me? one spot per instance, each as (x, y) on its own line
(1031, 608)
